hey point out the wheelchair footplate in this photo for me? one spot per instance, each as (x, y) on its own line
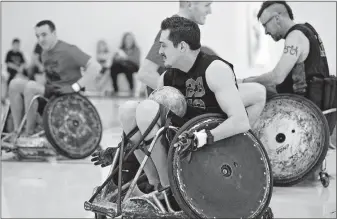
(105, 200)
(33, 147)
(153, 205)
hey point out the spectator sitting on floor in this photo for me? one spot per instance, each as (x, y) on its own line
(126, 60)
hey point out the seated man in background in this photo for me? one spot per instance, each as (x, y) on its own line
(126, 61)
(62, 63)
(303, 65)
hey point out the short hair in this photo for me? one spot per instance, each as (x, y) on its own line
(16, 40)
(46, 22)
(267, 4)
(182, 29)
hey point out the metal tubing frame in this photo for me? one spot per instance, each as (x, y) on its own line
(23, 121)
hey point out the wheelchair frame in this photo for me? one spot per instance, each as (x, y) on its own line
(26, 152)
(326, 112)
(99, 203)
(114, 210)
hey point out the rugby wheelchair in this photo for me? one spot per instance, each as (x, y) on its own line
(231, 178)
(69, 128)
(295, 130)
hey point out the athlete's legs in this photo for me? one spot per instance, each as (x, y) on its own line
(127, 117)
(253, 96)
(32, 89)
(16, 94)
(145, 113)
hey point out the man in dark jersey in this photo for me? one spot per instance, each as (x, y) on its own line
(303, 55)
(303, 60)
(187, 67)
(62, 64)
(253, 95)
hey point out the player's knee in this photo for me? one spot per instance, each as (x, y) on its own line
(146, 112)
(16, 85)
(127, 111)
(32, 88)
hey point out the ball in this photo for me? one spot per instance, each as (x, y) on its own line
(171, 98)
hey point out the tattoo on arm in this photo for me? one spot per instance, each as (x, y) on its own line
(292, 50)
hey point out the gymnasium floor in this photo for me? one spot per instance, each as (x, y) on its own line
(59, 189)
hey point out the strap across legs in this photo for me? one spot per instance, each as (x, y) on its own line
(147, 131)
(163, 121)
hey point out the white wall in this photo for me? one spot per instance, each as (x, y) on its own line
(84, 23)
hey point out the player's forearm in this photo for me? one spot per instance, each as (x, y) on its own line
(232, 126)
(36, 61)
(91, 72)
(268, 79)
(150, 78)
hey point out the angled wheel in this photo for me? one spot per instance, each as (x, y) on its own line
(295, 134)
(72, 126)
(231, 178)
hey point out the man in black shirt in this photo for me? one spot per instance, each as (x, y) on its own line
(303, 55)
(207, 81)
(303, 67)
(253, 95)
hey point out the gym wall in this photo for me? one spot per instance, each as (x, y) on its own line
(226, 30)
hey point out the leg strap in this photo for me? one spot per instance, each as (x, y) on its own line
(132, 133)
(160, 116)
(127, 138)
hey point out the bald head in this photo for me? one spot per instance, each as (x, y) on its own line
(184, 4)
(196, 11)
(272, 8)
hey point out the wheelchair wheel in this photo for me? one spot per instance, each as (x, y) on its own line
(231, 178)
(295, 134)
(72, 125)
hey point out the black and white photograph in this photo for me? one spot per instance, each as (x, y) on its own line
(168, 109)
